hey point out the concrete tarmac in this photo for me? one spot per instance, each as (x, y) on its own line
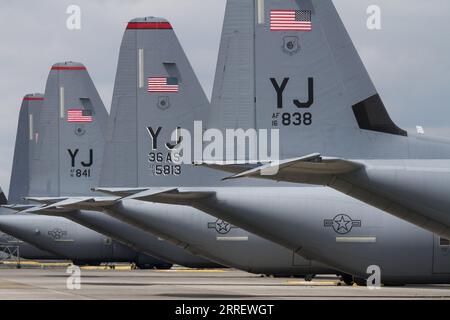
(124, 283)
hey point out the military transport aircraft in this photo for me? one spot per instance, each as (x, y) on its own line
(11, 247)
(325, 101)
(30, 107)
(42, 122)
(331, 227)
(155, 92)
(316, 222)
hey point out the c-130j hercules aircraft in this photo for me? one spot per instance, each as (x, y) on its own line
(69, 122)
(317, 223)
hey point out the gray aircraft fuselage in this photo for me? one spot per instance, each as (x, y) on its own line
(24, 250)
(416, 190)
(408, 177)
(137, 239)
(71, 241)
(322, 224)
(216, 240)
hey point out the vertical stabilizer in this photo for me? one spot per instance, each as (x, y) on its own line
(71, 134)
(156, 91)
(27, 138)
(304, 77)
(233, 98)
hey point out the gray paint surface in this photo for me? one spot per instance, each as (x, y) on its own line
(406, 176)
(20, 174)
(324, 225)
(306, 218)
(388, 53)
(54, 174)
(127, 162)
(51, 171)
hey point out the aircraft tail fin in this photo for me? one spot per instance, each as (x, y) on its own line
(156, 96)
(304, 77)
(26, 141)
(71, 133)
(233, 101)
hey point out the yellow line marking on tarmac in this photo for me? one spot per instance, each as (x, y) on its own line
(31, 263)
(36, 263)
(312, 283)
(123, 268)
(129, 267)
(120, 267)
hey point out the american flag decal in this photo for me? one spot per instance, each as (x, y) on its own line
(161, 84)
(79, 115)
(290, 20)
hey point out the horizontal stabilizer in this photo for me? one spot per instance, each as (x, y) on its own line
(44, 210)
(84, 203)
(120, 192)
(45, 200)
(231, 167)
(171, 196)
(302, 169)
(70, 204)
(18, 207)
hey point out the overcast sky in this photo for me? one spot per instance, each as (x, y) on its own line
(408, 59)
